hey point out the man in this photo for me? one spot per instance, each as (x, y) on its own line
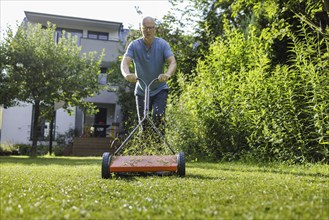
(150, 54)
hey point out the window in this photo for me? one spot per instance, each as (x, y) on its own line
(92, 35)
(102, 77)
(74, 33)
(98, 35)
(103, 69)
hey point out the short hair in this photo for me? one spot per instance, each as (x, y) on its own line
(144, 18)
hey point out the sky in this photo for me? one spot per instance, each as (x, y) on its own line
(12, 11)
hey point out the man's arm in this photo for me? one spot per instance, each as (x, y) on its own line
(131, 77)
(172, 65)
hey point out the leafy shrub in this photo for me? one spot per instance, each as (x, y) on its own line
(66, 138)
(64, 141)
(184, 131)
(8, 149)
(239, 106)
(25, 149)
(59, 150)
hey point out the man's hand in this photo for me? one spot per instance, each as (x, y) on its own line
(131, 78)
(163, 77)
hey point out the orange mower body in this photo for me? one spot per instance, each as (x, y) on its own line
(143, 164)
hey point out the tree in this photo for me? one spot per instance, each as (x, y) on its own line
(40, 71)
(5, 88)
(276, 15)
(184, 46)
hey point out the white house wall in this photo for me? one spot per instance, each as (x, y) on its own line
(16, 124)
(64, 121)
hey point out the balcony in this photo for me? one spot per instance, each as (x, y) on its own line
(112, 48)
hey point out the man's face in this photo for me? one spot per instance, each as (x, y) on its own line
(148, 29)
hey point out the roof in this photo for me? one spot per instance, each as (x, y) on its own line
(60, 20)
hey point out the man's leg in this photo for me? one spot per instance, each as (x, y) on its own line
(159, 102)
(140, 101)
(140, 107)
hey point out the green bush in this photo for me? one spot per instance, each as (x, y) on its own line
(64, 142)
(8, 149)
(25, 149)
(238, 106)
(21, 149)
(184, 132)
(59, 150)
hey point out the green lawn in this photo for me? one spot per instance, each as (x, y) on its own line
(72, 188)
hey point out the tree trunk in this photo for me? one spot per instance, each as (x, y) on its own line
(35, 128)
(51, 133)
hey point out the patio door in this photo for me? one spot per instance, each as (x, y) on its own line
(101, 116)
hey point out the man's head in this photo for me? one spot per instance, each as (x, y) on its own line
(148, 28)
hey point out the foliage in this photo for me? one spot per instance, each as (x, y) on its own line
(184, 128)
(238, 105)
(208, 19)
(25, 149)
(22, 149)
(64, 142)
(43, 71)
(8, 149)
(184, 47)
(66, 138)
(57, 66)
(5, 88)
(259, 90)
(59, 150)
(71, 188)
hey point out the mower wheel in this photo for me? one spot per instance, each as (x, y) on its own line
(181, 164)
(106, 165)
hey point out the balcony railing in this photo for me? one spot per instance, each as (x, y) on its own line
(112, 48)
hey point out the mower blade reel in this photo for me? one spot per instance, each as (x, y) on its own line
(144, 163)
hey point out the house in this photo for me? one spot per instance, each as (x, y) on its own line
(93, 35)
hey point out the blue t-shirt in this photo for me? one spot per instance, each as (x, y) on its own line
(149, 63)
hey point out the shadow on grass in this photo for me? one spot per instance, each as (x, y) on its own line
(65, 161)
(219, 166)
(133, 176)
(201, 177)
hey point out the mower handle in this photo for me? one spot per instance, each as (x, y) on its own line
(140, 80)
(147, 94)
(146, 110)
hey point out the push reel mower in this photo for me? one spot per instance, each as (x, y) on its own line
(139, 164)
